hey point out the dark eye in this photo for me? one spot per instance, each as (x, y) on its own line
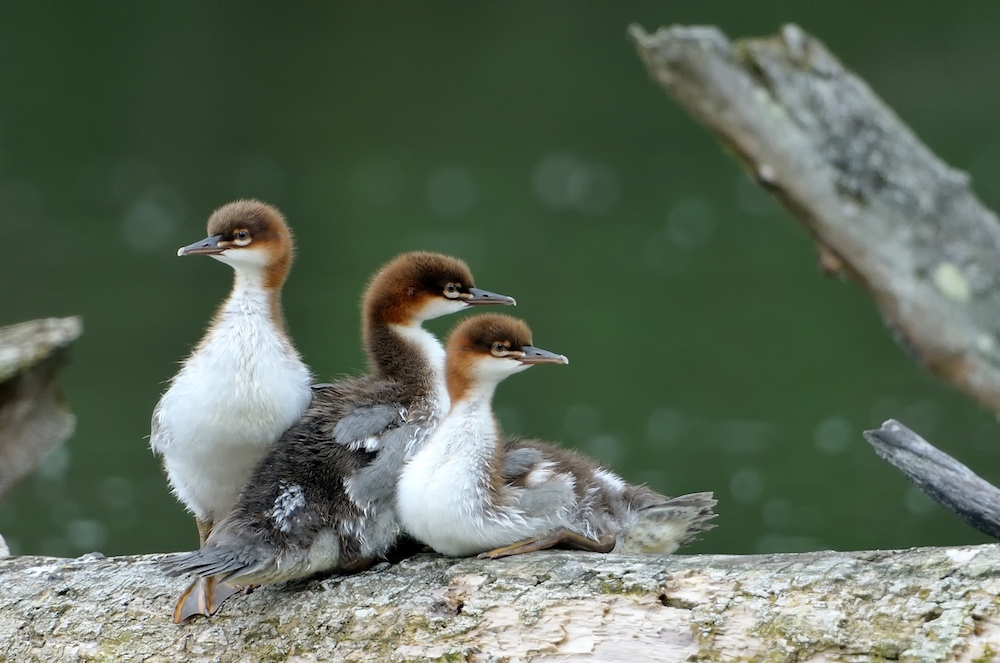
(243, 234)
(451, 290)
(499, 349)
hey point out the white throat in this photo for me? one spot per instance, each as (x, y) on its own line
(249, 265)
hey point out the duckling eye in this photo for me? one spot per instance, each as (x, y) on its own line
(451, 291)
(499, 349)
(242, 237)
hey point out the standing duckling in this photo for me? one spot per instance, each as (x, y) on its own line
(240, 389)
(323, 498)
(468, 490)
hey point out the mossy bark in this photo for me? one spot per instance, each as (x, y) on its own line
(933, 604)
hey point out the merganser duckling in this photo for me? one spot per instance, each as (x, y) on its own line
(323, 499)
(469, 490)
(240, 389)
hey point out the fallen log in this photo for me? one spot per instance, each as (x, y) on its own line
(932, 604)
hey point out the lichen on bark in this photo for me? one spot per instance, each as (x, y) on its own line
(921, 605)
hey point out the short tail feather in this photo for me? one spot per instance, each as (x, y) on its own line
(224, 563)
(664, 527)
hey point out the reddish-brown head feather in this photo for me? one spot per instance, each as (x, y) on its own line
(402, 287)
(267, 229)
(472, 340)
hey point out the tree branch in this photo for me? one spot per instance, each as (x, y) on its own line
(947, 481)
(878, 203)
(928, 604)
(34, 418)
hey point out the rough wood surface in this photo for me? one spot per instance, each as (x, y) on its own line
(917, 605)
(943, 478)
(34, 418)
(879, 204)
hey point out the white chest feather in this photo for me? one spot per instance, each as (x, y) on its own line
(240, 390)
(446, 497)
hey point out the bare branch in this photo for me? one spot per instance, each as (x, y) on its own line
(943, 478)
(877, 201)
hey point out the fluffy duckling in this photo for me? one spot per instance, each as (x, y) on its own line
(469, 490)
(243, 385)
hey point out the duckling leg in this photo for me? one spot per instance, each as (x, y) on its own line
(560, 537)
(204, 595)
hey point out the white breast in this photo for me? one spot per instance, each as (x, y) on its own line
(232, 399)
(445, 497)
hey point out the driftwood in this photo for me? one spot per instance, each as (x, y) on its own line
(917, 605)
(34, 418)
(879, 204)
(950, 483)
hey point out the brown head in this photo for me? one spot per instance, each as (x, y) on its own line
(250, 236)
(412, 288)
(419, 286)
(485, 349)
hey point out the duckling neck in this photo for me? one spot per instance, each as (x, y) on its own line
(251, 295)
(467, 442)
(411, 354)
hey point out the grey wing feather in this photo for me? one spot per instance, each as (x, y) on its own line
(548, 498)
(362, 427)
(377, 480)
(517, 462)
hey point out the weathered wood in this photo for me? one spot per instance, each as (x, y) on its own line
(34, 418)
(918, 605)
(879, 204)
(940, 476)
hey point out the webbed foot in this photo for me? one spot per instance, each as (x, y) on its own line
(561, 538)
(204, 596)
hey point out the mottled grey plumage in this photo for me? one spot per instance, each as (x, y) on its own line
(517, 462)
(362, 427)
(641, 519)
(306, 508)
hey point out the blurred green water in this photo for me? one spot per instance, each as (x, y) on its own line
(707, 352)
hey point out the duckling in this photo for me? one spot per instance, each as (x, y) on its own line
(323, 498)
(243, 385)
(469, 490)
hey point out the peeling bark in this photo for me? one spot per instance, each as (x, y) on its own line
(933, 604)
(34, 418)
(879, 204)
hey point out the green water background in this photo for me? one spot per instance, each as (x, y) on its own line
(707, 351)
